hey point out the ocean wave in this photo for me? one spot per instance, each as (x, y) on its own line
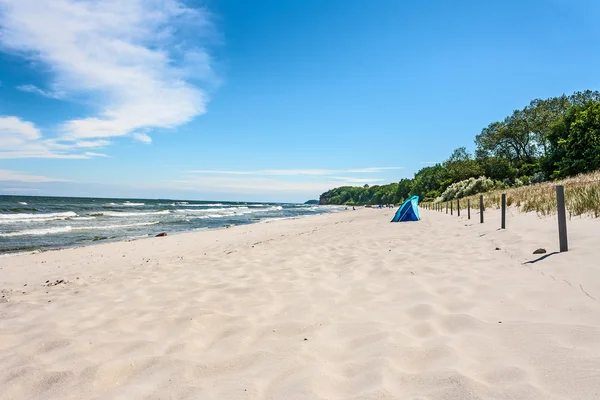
(125, 204)
(22, 203)
(66, 229)
(104, 227)
(211, 210)
(18, 209)
(22, 216)
(230, 211)
(33, 220)
(38, 232)
(186, 204)
(38, 220)
(128, 214)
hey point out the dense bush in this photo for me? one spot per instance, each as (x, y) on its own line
(467, 187)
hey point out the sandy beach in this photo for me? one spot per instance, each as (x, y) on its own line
(337, 306)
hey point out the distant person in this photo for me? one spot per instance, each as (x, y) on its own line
(353, 208)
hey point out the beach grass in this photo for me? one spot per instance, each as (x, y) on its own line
(582, 196)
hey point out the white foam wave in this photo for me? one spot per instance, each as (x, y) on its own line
(22, 216)
(38, 232)
(134, 214)
(267, 220)
(186, 204)
(33, 220)
(20, 253)
(22, 203)
(125, 204)
(211, 210)
(66, 229)
(104, 227)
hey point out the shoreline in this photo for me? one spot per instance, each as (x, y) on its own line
(148, 236)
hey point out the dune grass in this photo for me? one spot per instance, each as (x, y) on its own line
(582, 196)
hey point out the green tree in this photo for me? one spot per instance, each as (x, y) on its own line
(461, 165)
(403, 190)
(429, 182)
(576, 141)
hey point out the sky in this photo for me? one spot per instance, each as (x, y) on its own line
(268, 100)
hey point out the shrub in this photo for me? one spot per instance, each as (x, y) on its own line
(518, 183)
(466, 188)
(538, 177)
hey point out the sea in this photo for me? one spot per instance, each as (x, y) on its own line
(32, 224)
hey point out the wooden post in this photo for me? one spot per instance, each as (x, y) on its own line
(562, 218)
(446, 207)
(451, 206)
(458, 207)
(481, 209)
(468, 208)
(503, 223)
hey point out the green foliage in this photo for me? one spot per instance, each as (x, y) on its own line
(576, 141)
(429, 181)
(461, 166)
(355, 195)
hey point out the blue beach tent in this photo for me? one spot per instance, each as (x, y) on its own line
(409, 211)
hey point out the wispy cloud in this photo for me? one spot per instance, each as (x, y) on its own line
(129, 57)
(296, 172)
(41, 92)
(16, 176)
(310, 182)
(142, 137)
(22, 139)
(252, 185)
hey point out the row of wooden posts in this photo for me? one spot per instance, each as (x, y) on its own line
(560, 201)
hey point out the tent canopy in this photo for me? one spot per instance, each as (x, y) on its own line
(409, 211)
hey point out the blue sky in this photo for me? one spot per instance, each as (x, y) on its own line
(268, 100)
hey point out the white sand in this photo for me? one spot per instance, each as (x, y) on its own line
(328, 307)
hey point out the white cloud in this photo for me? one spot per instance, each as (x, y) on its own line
(306, 181)
(41, 92)
(126, 56)
(373, 169)
(90, 154)
(16, 176)
(22, 139)
(250, 185)
(296, 172)
(13, 127)
(142, 137)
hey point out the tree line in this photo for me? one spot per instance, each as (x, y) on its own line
(548, 139)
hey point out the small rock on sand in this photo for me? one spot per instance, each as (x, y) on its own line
(540, 251)
(162, 234)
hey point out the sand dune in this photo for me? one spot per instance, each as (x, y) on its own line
(339, 306)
